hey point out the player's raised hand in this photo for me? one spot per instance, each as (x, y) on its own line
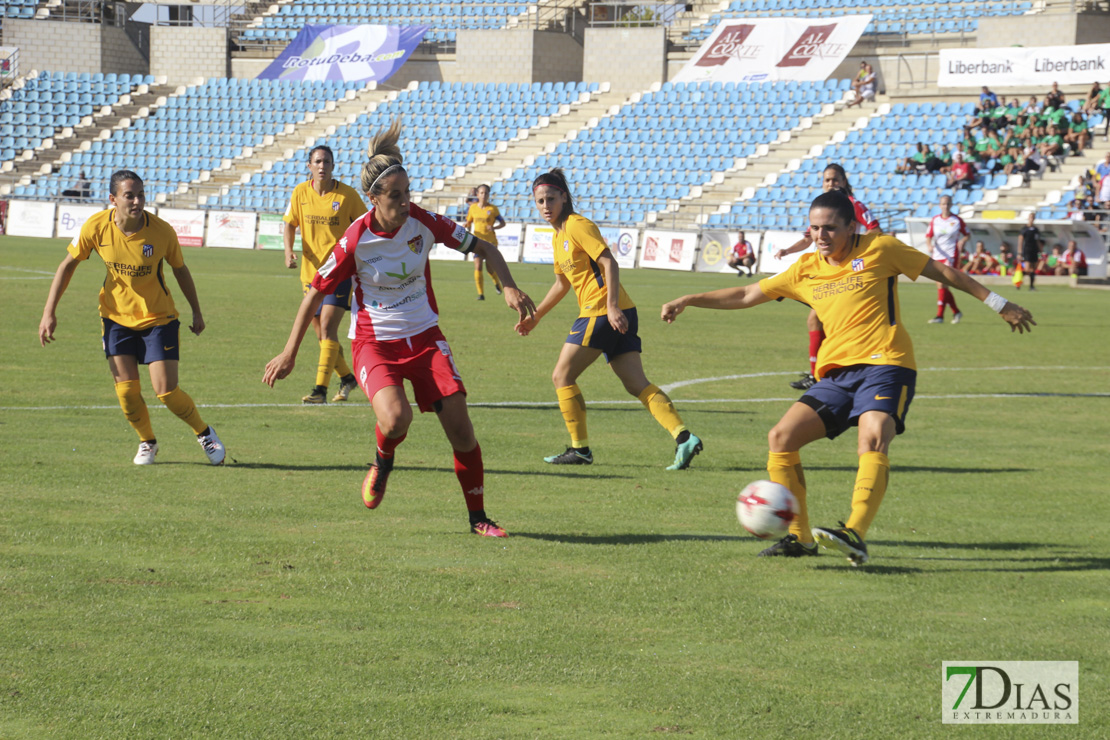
(519, 301)
(1017, 317)
(278, 368)
(526, 324)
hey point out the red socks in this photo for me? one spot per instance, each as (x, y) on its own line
(815, 339)
(945, 298)
(471, 474)
(386, 446)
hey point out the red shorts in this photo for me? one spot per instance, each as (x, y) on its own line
(424, 360)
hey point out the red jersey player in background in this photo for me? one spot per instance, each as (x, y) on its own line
(832, 178)
(395, 322)
(945, 239)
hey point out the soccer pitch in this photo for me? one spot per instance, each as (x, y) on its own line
(262, 599)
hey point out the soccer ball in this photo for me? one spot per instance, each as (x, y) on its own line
(766, 509)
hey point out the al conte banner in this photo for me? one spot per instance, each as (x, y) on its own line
(233, 229)
(1012, 65)
(771, 49)
(669, 250)
(354, 53)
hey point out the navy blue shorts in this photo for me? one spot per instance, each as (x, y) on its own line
(594, 332)
(154, 344)
(843, 395)
(341, 297)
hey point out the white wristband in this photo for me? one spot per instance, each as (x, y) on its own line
(995, 302)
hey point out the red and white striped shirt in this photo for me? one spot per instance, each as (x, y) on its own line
(391, 290)
(946, 234)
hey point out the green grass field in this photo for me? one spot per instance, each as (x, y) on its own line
(261, 599)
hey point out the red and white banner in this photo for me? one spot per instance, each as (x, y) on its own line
(669, 250)
(233, 229)
(771, 49)
(189, 225)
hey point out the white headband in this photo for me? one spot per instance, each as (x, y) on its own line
(385, 172)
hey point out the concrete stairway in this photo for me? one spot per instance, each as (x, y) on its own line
(1046, 190)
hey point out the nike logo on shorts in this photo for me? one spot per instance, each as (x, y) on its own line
(882, 398)
(167, 349)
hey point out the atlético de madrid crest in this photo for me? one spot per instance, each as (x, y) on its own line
(148, 250)
(416, 244)
(335, 206)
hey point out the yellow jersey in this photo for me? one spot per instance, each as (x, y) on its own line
(322, 220)
(857, 301)
(482, 220)
(576, 248)
(134, 293)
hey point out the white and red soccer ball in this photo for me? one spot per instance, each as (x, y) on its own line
(766, 509)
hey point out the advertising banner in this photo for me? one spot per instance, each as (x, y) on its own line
(189, 225)
(668, 250)
(442, 252)
(233, 229)
(30, 218)
(771, 49)
(537, 244)
(354, 53)
(9, 63)
(1013, 65)
(271, 233)
(72, 217)
(509, 241)
(622, 243)
(773, 241)
(714, 246)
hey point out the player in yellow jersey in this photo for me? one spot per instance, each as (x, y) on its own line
(139, 320)
(322, 208)
(482, 220)
(866, 371)
(606, 324)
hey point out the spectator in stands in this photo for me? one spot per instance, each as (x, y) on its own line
(1006, 260)
(1050, 264)
(1055, 98)
(1031, 245)
(1102, 169)
(942, 162)
(1103, 197)
(1075, 260)
(483, 219)
(963, 173)
(1078, 136)
(81, 189)
(742, 257)
(987, 97)
(945, 239)
(1053, 144)
(866, 89)
(1033, 107)
(915, 162)
(982, 262)
(993, 148)
(1103, 106)
(1090, 105)
(1075, 210)
(860, 76)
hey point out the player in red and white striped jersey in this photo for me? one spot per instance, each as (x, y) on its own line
(946, 238)
(395, 322)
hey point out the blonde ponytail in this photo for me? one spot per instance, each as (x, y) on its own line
(383, 154)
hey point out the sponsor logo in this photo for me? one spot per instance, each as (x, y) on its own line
(167, 349)
(882, 398)
(416, 245)
(712, 252)
(343, 244)
(404, 273)
(298, 62)
(812, 44)
(624, 244)
(833, 289)
(956, 67)
(857, 264)
(651, 249)
(1010, 692)
(676, 250)
(459, 234)
(148, 250)
(730, 45)
(1069, 65)
(126, 270)
(759, 77)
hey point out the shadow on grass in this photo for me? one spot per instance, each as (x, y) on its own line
(627, 539)
(1005, 546)
(874, 570)
(562, 473)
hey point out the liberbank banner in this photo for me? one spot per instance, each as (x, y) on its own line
(350, 53)
(770, 49)
(1012, 65)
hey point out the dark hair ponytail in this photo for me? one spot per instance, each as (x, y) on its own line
(838, 202)
(840, 171)
(556, 179)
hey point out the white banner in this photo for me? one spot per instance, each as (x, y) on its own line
(716, 246)
(668, 250)
(443, 252)
(189, 225)
(72, 217)
(30, 218)
(773, 241)
(770, 49)
(1013, 65)
(233, 229)
(508, 241)
(537, 244)
(622, 243)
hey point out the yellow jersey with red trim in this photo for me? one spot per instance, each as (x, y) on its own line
(576, 248)
(322, 220)
(857, 301)
(134, 293)
(482, 220)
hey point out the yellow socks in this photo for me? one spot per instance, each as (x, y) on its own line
(179, 402)
(661, 408)
(871, 480)
(573, 407)
(329, 359)
(785, 468)
(342, 369)
(478, 281)
(496, 280)
(134, 408)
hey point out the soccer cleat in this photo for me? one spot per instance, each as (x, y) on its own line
(844, 540)
(346, 385)
(790, 547)
(956, 318)
(497, 288)
(212, 446)
(684, 453)
(481, 297)
(487, 528)
(571, 457)
(804, 383)
(373, 486)
(937, 320)
(146, 453)
(318, 395)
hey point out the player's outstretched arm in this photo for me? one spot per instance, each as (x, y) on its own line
(282, 365)
(557, 292)
(515, 298)
(799, 246)
(746, 296)
(58, 286)
(1017, 317)
(189, 290)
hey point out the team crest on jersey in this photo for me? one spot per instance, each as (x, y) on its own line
(335, 206)
(148, 250)
(857, 264)
(416, 244)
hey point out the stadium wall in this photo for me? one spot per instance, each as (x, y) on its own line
(73, 47)
(183, 54)
(1043, 29)
(627, 58)
(521, 56)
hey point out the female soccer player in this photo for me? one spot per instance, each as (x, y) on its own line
(606, 325)
(137, 313)
(945, 238)
(833, 177)
(322, 208)
(395, 326)
(484, 219)
(866, 365)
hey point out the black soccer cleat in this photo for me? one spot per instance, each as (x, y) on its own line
(790, 547)
(844, 540)
(804, 383)
(571, 457)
